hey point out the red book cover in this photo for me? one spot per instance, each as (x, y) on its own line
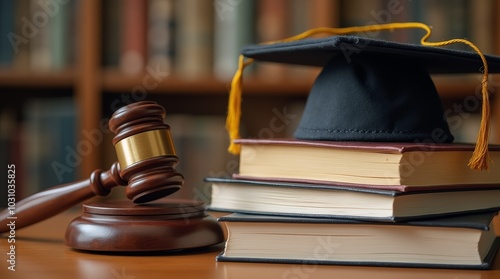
(134, 36)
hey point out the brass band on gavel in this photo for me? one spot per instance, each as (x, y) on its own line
(144, 145)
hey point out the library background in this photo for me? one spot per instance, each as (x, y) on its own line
(66, 65)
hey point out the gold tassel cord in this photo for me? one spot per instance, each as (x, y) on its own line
(480, 157)
(234, 105)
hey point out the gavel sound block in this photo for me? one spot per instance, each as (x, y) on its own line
(146, 161)
(120, 226)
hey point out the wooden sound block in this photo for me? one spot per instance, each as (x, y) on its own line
(122, 226)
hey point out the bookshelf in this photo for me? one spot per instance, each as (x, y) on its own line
(37, 79)
(95, 80)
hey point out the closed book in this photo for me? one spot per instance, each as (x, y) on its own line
(233, 29)
(50, 149)
(393, 165)
(161, 34)
(62, 28)
(194, 30)
(112, 11)
(341, 201)
(134, 36)
(273, 23)
(40, 56)
(462, 242)
(21, 59)
(9, 42)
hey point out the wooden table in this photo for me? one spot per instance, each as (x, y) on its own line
(41, 253)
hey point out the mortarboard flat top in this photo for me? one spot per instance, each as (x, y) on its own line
(318, 51)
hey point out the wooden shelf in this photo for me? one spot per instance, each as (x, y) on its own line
(36, 79)
(456, 88)
(114, 81)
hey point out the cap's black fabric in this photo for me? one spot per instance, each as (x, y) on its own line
(373, 98)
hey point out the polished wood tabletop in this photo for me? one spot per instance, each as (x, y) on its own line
(40, 253)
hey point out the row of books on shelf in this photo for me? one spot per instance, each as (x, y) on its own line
(456, 19)
(41, 143)
(200, 38)
(353, 203)
(38, 35)
(193, 38)
(203, 38)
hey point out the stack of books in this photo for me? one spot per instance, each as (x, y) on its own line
(353, 203)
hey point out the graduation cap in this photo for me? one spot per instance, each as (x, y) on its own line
(369, 89)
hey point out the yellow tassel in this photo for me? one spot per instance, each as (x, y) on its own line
(234, 105)
(480, 157)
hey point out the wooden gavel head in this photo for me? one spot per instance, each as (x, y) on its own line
(145, 152)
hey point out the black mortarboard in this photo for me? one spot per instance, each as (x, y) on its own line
(374, 90)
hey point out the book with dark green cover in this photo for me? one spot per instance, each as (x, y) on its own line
(345, 201)
(9, 41)
(464, 242)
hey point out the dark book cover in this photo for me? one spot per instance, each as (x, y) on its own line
(474, 221)
(478, 221)
(374, 187)
(364, 191)
(487, 263)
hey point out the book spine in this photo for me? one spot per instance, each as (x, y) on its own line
(40, 43)
(481, 19)
(232, 31)
(6, 28)
(194, 41)
(59, 40)
(161, 34)
(22, 45)
(112, 32)
(50, 150)
(134, 36)
(323, 13)
(272, 24)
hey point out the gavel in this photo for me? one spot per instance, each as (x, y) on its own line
(146, 161)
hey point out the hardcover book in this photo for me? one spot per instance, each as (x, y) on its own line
(341, 201)
(463, 242)
(394, 165)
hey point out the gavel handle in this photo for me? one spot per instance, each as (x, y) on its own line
(55, 200)
(43, 205)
